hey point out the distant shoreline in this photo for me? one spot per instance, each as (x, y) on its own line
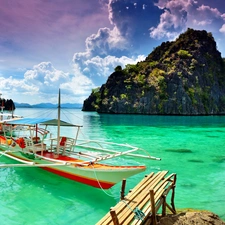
(34, 107)
(49, 105)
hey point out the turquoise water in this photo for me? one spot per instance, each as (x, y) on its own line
(191, 147)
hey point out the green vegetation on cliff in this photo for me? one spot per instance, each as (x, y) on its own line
(183, 77)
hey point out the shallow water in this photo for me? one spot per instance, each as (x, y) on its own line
(191, 147)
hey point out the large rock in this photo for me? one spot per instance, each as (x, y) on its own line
(191, 218)
(183, 77)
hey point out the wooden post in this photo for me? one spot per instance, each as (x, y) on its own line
(170, 208)
(173, 193)
(123, 189)
(164, 205)
(114, 216)
(153, 207)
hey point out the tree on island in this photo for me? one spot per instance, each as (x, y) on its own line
(7, 104)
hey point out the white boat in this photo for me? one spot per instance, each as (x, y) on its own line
(31, 145)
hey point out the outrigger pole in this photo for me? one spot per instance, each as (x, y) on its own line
(2, 107)
(58, 130)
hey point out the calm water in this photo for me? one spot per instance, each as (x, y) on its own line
(192, 147)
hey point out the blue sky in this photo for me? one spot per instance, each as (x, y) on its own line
(76, 44)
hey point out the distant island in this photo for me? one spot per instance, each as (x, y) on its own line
(8, 104)
(181, 77)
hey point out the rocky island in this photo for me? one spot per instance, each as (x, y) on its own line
(181, 77)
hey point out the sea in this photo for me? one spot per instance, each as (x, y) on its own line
(193, 147)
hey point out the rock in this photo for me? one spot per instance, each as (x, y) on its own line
(191, 218)
(182, 77)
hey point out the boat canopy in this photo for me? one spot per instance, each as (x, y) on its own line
(41, 121)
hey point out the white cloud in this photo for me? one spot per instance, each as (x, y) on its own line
(208, 11)
(222, 29)
(223, 16)
(106, 41)
(178, 15)
(79, 85)
(45, 77)
(205, 17)
(202, 22)
(173, 20)
(43, 80)
(167, 21)
(18, 88)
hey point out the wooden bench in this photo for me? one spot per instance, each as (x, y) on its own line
(142, 203)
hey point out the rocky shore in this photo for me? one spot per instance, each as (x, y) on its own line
(191, 218)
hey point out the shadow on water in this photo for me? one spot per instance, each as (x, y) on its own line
(219, 159)
(182, 150)
(189, 185)
(196, 160)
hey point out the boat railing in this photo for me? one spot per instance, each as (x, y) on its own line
(39, 130)
(34, 147)
(65, 144)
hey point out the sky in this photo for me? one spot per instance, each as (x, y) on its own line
(75, 45)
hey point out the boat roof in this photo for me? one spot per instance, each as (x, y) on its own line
(41, 121)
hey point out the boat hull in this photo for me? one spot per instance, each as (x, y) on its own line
(104, 179)
(96, 175)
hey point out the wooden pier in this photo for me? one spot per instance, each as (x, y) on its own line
(142, 203)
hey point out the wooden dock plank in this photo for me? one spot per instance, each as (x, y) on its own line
(136, 195)
(145, 205)
(141, 199)
(139, 189)
(131, 195)
(138, 200)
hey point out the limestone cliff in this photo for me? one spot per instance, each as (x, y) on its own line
(182, 77)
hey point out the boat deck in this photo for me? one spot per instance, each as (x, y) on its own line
(142, 203)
